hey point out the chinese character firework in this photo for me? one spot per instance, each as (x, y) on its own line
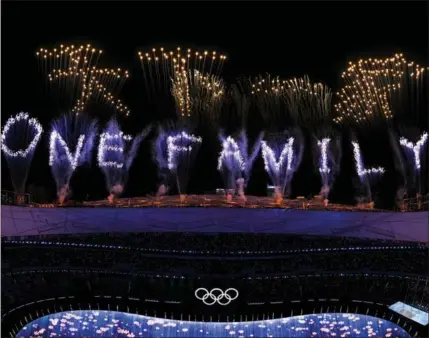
(77, 83)
(377, 91)
(187, 82)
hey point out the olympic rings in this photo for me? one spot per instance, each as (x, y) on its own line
(216, 295)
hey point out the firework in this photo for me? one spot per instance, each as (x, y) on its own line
(198, 96)
(408, 102)
(310, 103)
(188, 79)
(296, 101)
(20, 137)
(234, 161)
(327, 151)
(116, 153)
(372, 87)
(414, 149)
(411, 154)
(175, 153)
(399, 161)
(268, 94)
(368, 177)
(70, 132)
(282, 154)
(79, 81)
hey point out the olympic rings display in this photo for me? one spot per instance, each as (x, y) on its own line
(216, 295)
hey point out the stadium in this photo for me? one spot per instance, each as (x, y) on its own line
(293, 271)
(194, 194)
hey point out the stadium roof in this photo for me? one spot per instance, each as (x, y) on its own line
(27, 221)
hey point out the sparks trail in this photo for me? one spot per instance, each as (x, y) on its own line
(174, 153)
(19, 138)
(189, 84)
(296, 101)
(408, 102)
(388, 92)
(409, 106)
(116, 153)
(71, 142)
(268, 95)
(235, 162)
(368, 177)
(238, 105)
(408, 146)
(408, 140)
(282, 155)
(373, 88)
(198, 97)
(188, 80)
(310, 103)
(364, 96)
(73, 75)
(287, 106)
(327, 150)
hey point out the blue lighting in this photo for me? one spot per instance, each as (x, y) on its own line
(118, 324)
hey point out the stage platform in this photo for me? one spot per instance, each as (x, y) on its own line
(133, 216)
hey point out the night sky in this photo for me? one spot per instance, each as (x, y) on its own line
(282, 38)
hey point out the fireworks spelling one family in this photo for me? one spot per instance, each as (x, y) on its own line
(376, 92)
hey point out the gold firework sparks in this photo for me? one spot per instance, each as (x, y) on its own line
(74, 70)
(370, 85)
(191, 77)
(296, 100)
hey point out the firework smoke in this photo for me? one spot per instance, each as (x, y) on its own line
(116, 153)
(19, 138)
(70, 132)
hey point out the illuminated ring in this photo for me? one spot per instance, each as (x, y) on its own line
(216, 295)
(228, 296)
(206, 295)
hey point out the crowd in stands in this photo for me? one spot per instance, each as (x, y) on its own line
(393, 260)
(264, 267)
(21, 287)
(211, 244)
